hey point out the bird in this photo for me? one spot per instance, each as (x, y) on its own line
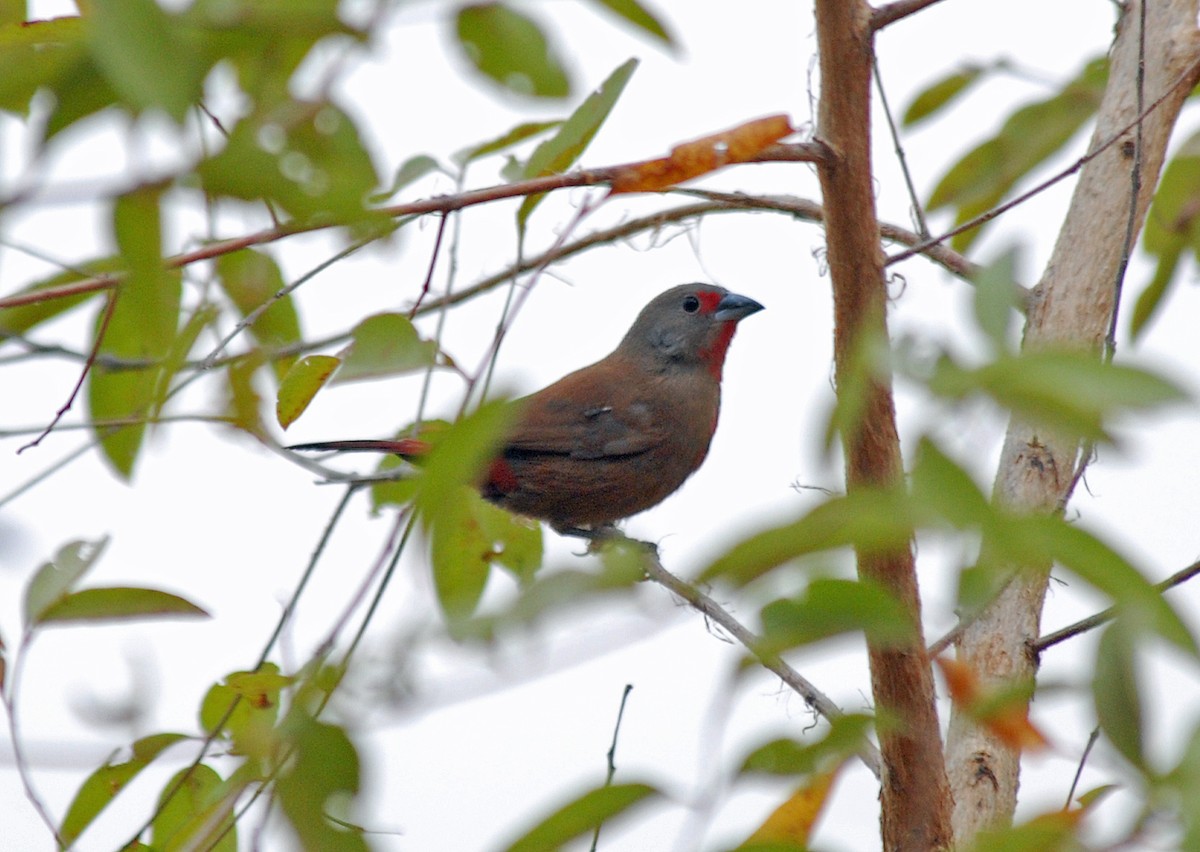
(617, 437)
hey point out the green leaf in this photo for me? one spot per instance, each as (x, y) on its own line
(305, 156)
(1068, 390)
(265, 41)
(829, 607)
(118, 603)
(942, 488)
(558, 153)
(35, 55)
(12, 12)
(844, 737)
(462, 532)
(243, 404)
(997, 300)
(635, 13)
(468, 536)
(103, 785)
(1184, 781)
(246, 705)
(202, 317)
(191, 818)
(868, 519)
(516, 136)
(142, 327)
(516, 542)
(324, 772)
(398, 492)
(461, 554)
(582, 815)
(940, 93)
(985, 175)
(410, 171)
(512, 50)
(1049, 832)
(251, 279)
(385, 345)
(1115, 691)
(56, 578)
(141, 52)
(300, 385)
(1172, 227)
(459, 454)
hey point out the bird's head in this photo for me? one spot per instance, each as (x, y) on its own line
(689, 325)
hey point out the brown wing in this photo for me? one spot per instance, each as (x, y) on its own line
(591, 413)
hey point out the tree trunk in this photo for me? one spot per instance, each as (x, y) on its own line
(1071, 306)
(916, 803)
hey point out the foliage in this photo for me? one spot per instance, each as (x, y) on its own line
(157, 324)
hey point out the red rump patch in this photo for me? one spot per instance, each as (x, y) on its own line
(708, 301)
(500, 478)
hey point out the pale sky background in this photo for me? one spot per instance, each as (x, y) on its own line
(488, 743)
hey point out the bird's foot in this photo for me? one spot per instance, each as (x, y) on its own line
(603, 534)
(594, 536)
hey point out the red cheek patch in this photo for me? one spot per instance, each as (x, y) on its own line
(708, 301)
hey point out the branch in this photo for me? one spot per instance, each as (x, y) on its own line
(1104, 616)
(87, 366)
(892, 12)
(713, 611)
(1071, 307)
(790, 153)
(916, 802)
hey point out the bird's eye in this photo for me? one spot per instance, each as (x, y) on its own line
(691, 304)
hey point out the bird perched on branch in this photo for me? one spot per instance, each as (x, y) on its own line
(619, 436)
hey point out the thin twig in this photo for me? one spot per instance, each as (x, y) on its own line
(433, 259)
(713, 611)
(914, 199)
(87, 366)
(20, 762)
(183, 778)
(1093, 621)
(1135, 189)
(612, 756)
(1087, 750)
(253, 316)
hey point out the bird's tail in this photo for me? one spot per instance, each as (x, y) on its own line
(404, 447)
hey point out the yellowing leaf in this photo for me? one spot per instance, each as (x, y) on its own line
(1003, 712)
(793, 821)
(704, 155)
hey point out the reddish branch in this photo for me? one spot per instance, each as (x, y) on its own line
(916, 802)
(793, 152)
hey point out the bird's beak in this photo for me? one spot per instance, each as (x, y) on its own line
(734, 307)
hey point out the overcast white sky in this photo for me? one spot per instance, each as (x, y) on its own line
(487, 743)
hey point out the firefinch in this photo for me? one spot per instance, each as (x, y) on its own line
(617, 437)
